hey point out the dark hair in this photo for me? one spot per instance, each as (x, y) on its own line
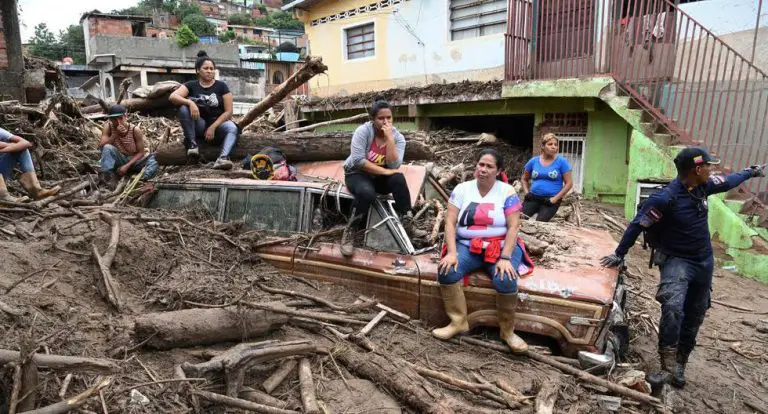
(379, 103)
(495, 154)
(202, 57)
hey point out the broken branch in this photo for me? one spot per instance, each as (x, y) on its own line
(58, 362)
(74, 402)
(240, 403)
(308, 398)
(279, 376)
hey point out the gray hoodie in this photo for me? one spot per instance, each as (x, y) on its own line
(361, 144)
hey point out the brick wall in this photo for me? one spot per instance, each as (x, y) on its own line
(109, 27)
(3, 49)
(209, 9)
(275, 4)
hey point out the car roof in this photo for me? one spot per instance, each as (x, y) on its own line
(317, 175)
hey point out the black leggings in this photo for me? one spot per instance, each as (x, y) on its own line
(365, 187)
(536, 204)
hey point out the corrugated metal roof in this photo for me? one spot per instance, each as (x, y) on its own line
(300, 4)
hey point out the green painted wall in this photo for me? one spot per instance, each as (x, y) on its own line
(576, 87)
(605, 165)
(647, 162)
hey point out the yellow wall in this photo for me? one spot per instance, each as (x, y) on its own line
(327, 40)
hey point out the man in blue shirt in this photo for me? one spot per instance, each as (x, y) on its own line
(676, 216)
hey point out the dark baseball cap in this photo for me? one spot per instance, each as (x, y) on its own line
(116, 111)
(692, 157)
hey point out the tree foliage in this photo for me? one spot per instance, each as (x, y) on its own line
(185, 36)
(279, 20)
(70, 42)
(227, 36)
(243, 19)
(199, 25)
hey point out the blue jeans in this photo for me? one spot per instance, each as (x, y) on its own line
(9, 160)
(225, 135)
(684, 295)
(469, 262)
(112, 159)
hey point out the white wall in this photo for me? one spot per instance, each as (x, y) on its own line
(427, 21)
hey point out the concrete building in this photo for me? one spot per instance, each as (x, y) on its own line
(252, 33)
(401, 43)
(11, 62)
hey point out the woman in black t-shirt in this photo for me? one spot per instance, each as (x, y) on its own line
(205, 110)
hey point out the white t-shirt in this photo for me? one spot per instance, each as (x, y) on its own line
(484, 217)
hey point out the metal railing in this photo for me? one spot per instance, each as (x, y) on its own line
(691, 83)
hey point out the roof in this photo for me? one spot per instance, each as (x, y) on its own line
(97, 13)
(300, 4)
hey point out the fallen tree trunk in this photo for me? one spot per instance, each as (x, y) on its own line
(61, 363)
(297, 147)
(192, 327)
(312, 66)
(135, 104)
(396, 376)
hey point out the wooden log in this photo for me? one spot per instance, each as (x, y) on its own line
(396, 376)
(296, 147)
(312, 66)
(192, 327)
(135, 105)
(279, 376)
(72, 191)
(260, 397)
(545, 399)
(111, 290)
(74, 402)
(307, 384)
(240, 403)
(325, 317)
(64, 363)
(354, 118)
(29, 385)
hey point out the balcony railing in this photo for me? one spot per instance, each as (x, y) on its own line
(691, 82)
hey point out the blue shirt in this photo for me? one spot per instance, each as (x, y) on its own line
(5, 136)
(547, 181)
(681, 216)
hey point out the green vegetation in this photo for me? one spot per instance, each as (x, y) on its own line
(279, 20)
(185, 36)
(199, 25)
(70, 42)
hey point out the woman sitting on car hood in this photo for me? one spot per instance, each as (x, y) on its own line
(481, 232)
(376, 153)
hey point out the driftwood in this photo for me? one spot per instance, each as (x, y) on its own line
(4, 307)
(568, 369)
(235, 362)
(63, 363)
(439, 218)
(124, 85)
(545, 399)
(358, 117)
(313, 298)
(110, 287)
(312, 66)
(261, 397)
(307, 384)
(395, 375)
(74, 402)
(297, 147)
(29, 385)
(240, 403)
(325, 317)
(193, 327)
(66, 194)
(279, 376)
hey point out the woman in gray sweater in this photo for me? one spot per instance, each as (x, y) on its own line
(376, 152)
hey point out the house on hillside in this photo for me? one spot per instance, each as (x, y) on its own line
(402, 43)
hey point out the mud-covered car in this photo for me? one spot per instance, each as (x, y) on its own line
(572, 299)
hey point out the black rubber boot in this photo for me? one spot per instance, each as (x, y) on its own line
(678, 375)
(668, 360)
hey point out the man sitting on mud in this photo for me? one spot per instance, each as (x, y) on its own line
(14, 152)
(122, 149)
(676, 226)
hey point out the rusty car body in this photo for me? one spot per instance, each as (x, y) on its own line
(574, 300)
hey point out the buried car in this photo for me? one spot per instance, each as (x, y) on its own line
(568, 297)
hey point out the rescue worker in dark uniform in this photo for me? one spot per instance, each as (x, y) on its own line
(677, 216)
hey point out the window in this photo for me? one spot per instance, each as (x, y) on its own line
(277, 77)
(380, 238)
(360, 41)
(475, 18)
(255, 31)
(139, 29)
(275, 210)
(182, 199)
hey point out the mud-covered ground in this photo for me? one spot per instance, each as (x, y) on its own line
(165, 265)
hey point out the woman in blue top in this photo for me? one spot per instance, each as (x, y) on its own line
(546, 180)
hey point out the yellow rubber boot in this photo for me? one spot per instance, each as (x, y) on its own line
(4, 194)
(506, 305)
(456, 309)
(32, 185)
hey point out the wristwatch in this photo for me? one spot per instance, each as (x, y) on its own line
(505, 257)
